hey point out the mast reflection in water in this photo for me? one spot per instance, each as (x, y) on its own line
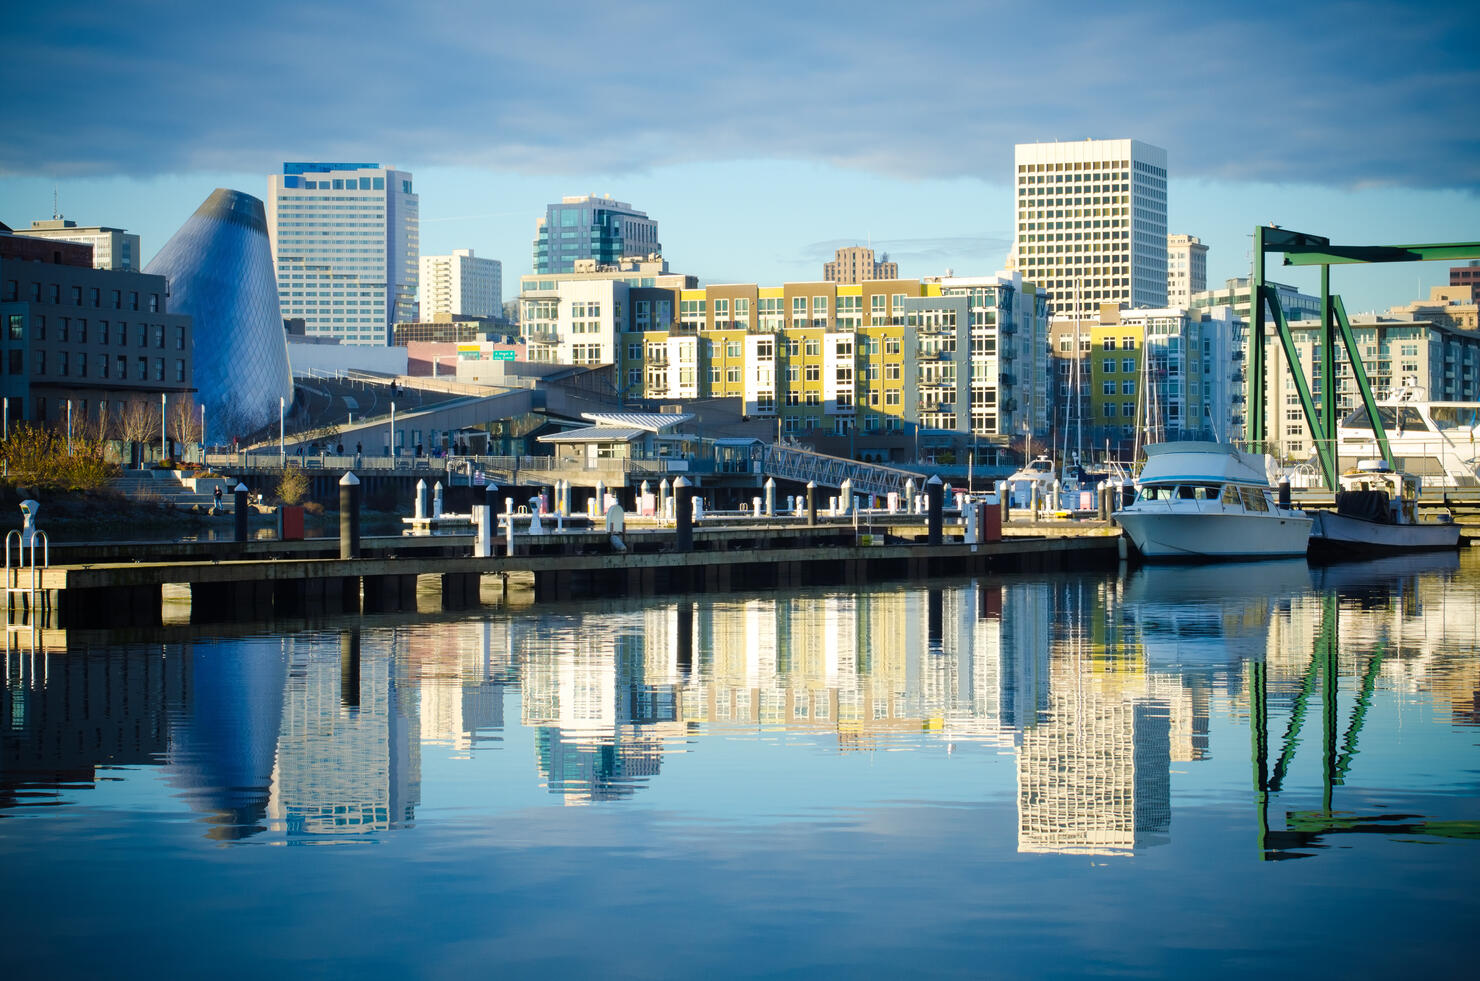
(1265, 710)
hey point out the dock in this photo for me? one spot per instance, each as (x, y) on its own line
(123, 586)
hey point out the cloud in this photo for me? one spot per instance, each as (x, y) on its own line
(1343, 94)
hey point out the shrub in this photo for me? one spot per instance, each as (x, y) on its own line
(293, 486)
(37, 457)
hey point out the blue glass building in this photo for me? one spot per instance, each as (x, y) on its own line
(592, 227)
(220, 272)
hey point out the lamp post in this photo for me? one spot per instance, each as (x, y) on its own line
(202, 434)
(282, 446)
(393, 435)
(69, 427)
(163, 453)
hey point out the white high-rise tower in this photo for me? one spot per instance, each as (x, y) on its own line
(1091, 223)
(345, 243)
(461, 284)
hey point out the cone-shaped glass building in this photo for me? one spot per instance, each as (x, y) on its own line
(220, 271)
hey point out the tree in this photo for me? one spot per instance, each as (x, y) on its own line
(183, 417)
(139, 421)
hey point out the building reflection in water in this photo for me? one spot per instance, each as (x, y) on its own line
(1097, 686)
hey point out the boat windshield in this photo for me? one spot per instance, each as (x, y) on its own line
(1181, 492)
(1393, 417)
(1199, 492)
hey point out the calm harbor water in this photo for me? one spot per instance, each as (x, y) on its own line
(1208, 771)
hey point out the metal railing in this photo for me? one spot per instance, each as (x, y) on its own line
(804, 466)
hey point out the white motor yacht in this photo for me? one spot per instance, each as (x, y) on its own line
(1038, 473)
(1436, 441)
(1201, 500)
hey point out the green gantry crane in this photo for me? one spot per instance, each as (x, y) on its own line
(1301, 249)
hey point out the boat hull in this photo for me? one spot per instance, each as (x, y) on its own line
(1340, 534)
(1193, 537)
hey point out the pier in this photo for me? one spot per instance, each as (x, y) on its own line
(123, 586)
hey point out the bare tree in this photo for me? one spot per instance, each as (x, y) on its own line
(139, 421)
(184, 420)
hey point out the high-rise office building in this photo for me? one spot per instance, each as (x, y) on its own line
(113, 248)
(856, 264)
(1187, 269)
(345, 242)
(461, 284)
(1091, 223)
(592, 227)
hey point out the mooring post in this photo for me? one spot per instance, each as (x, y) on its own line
(349, 516)
(683, 512)
(239, 509)
(811, 503)
(421, 500)
(934, 498)
(770, 497)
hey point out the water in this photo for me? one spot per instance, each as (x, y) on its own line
(1205, 771)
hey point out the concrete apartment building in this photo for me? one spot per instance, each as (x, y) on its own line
(345, 241)
(856, 264)
(613, 297)
(97, 339)
(1187, 269)
(1235, 294)
(894, 360)
(591, 227)
(1091, 223)
(1152, 374)
(113, 248)
(460, 284)
(1441, 360)
(1447, 306)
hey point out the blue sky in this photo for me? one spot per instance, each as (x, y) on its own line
(761, 136)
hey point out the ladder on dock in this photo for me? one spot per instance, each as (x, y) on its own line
(23, 588)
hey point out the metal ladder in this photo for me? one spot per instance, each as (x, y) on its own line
(23, 577)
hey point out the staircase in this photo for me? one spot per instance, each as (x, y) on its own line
(164, 487)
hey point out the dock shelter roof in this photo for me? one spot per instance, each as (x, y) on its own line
(662, 423)
(597, 434)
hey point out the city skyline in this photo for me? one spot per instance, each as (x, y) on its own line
(1337, 160)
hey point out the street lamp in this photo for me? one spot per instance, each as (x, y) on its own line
(282, 448)
(393, 434)
(163, 454)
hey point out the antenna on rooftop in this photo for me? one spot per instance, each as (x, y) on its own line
(56, 214)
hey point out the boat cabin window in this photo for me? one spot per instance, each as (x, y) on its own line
(1154, 492)
(1253, 500)
(1198, 492)
(1230, 495)
(1455, 416)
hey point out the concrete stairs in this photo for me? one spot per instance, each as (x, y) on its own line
(168, 487)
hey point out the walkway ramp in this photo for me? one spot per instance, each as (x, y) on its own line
(804, 466)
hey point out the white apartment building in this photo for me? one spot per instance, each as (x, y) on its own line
(460, 283)
(345, 241)
(1187, 269)
(113, 248)
(1091, 223)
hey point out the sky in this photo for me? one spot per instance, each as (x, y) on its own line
(760, 136)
